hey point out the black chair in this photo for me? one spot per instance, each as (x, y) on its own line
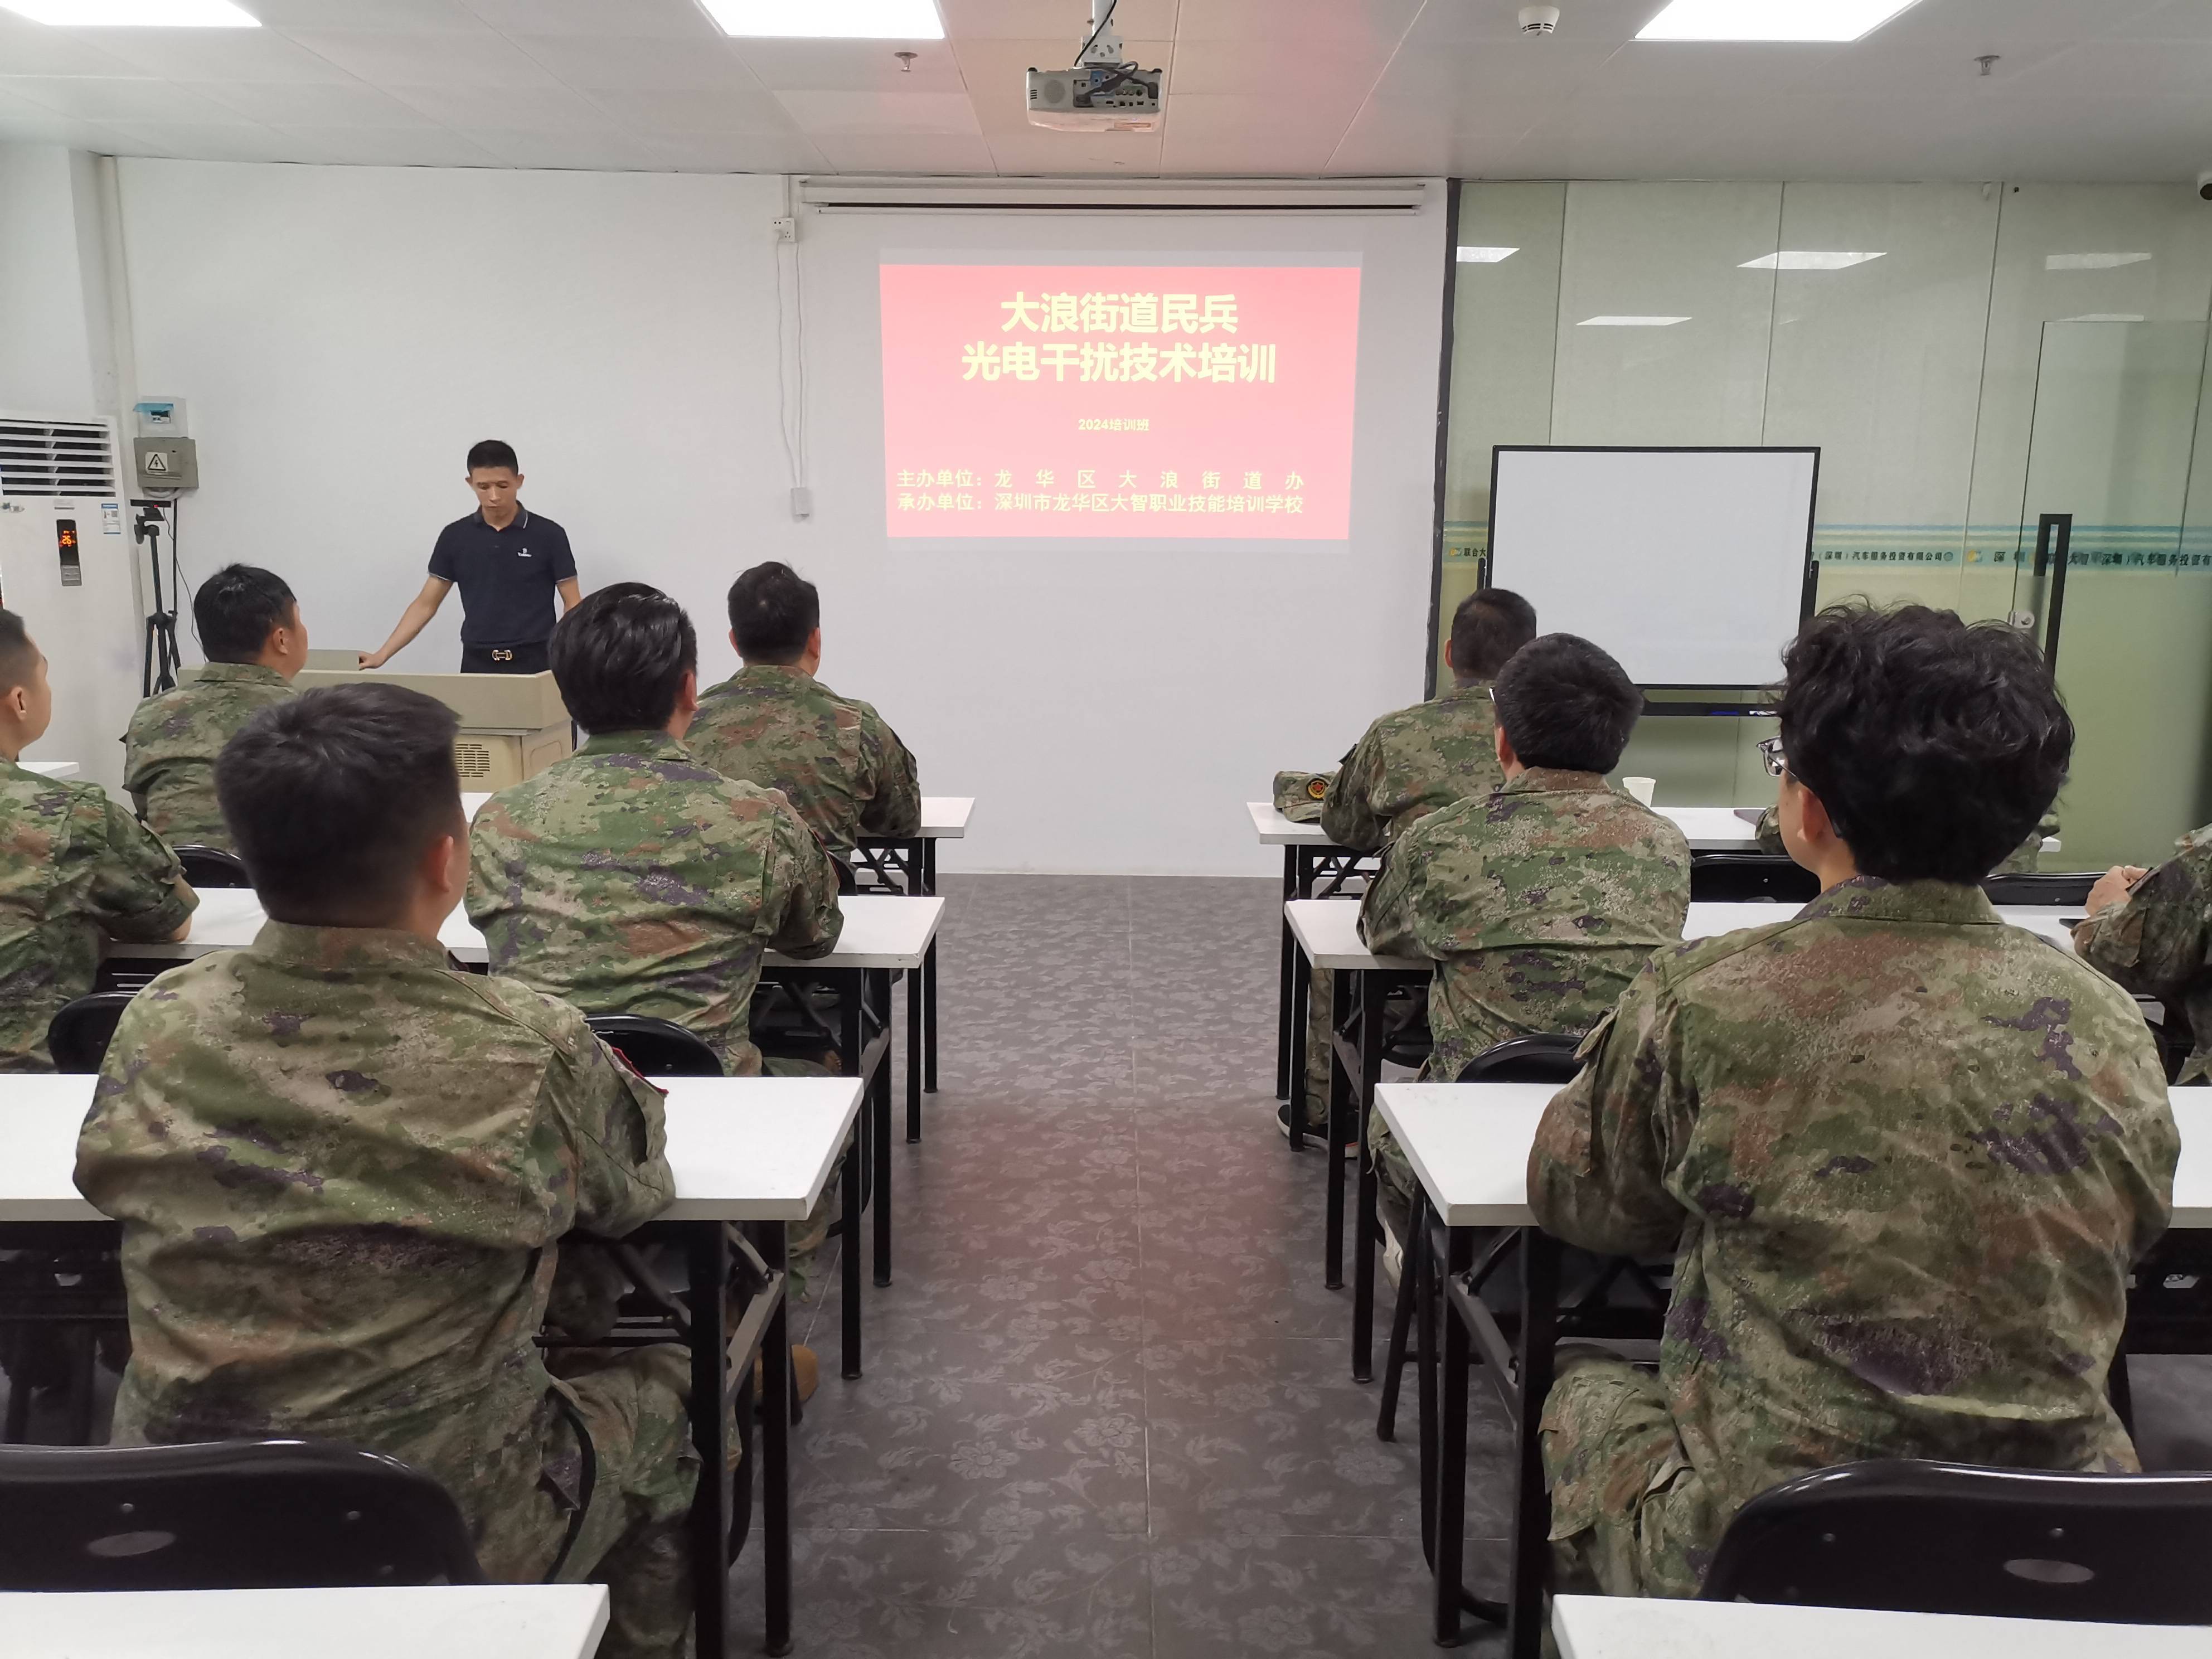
(1740, 878)
(210, 866)
(1926, 1537)
(656, 1048)
(79, 1033)
(2035, 887)
(1545, 1058)
(228, 1514)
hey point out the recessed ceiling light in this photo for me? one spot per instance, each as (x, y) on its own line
(134, 13)
(1807, 259)
(1630, 322)
(2091, 261)
(1770, 20)
(1485, 255)
(829, 19)
(2106, 316)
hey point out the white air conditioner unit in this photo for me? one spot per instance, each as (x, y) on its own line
(66, 568)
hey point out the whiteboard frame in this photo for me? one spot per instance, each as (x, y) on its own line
(1807, 597)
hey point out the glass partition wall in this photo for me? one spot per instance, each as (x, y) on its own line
(1968, 357)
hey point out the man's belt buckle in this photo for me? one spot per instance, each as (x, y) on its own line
(502, 656)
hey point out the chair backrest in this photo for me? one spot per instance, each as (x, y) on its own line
(210, 866)
(1740, 877)
(229, 1515)
(1925, 1537)
(1544, 1059)
(79, 1033)
(657, 1048)
(2036, 887)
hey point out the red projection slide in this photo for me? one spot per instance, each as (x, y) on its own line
(1152, 402)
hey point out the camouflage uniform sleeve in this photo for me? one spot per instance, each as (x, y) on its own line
(802, 889)
(1345, 817)
(2157, 941)
(1768, 831)
(1388, 914)
(615, 1125)
(1597, 1170)
(135, 888)
(896, 807)
(137, 776)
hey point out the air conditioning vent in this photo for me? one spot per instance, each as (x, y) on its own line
(55, 458)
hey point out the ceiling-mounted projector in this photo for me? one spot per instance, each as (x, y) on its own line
(1101, 93)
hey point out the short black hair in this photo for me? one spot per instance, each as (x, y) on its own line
(18, 658)
(1487, 629)
(1563, 703)
(333, 795)
(1936, 745)
(237, 609)
(620, 657)
(492, 452)
(773, 610)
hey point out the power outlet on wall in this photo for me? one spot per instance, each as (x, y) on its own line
(785, 229)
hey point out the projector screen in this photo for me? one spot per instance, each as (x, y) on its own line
(1693, 566)
(1166, 399)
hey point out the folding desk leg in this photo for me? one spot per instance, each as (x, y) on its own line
(708, 1253)
(775, 1447)
(914, 1054)
(879, 1090)
(849, 1252)
(1289, 966)
(1339, 1127)
(929, 977)
(1532, 1504)
(1301, 999)
(1367, 1223)
(1452, 1448)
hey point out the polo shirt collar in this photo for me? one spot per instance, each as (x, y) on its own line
(345, 950)
(1869, 899)
(521, 519)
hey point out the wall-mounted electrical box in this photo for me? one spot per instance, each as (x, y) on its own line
(167, 463)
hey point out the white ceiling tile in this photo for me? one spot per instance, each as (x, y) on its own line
(241, 141)
(1324, 26)
(636, 64)
(1282, 68)
(2176, 20)
(741, 152)
(397, 147)
(96, 98)
(483, 60)
(951, 153)
(344, 103)
(669, 20)
(369, 16)
(818, 112)
(1036, 152)
(730, 110)
(1238, 132)
(29, 48)
(1063, 21)
(2124, 70)
(43, 127)
(219, 55)
(507, 109)
(850, 65)
(589, 152)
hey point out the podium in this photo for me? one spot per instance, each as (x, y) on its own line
(512, 725)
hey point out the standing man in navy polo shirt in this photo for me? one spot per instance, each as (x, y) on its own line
(508, 563)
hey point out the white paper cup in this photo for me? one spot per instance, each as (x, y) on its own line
(1640, 788)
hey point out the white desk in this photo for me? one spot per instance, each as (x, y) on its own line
(1468, 1146)
(756, 1150)
(1624, 1627)
(451, 1621)
(1708, 829)
(50, 769)
(878, 933)
(944, 818)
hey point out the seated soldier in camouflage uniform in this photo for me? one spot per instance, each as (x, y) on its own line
(2024, 859)
(1410, 763)
(75, 868)
(2151, 932)
(1538, 902)
(1905, 1154)
(351, 1179)
(774, 724)
(249, 626)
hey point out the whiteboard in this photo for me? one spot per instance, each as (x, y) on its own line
(1688, 565)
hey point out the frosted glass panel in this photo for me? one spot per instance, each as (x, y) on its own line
(1665, 250)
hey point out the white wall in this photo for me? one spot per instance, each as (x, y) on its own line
(344, 334)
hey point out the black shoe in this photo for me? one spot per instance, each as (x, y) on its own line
(1316, 1132)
